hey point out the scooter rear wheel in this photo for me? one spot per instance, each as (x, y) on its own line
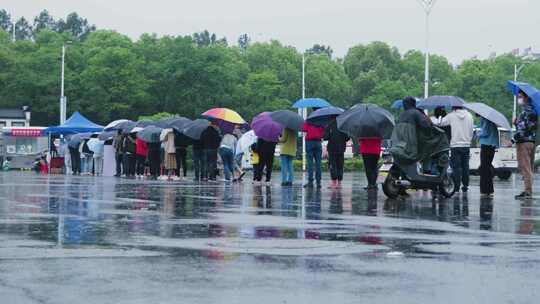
(447, 188)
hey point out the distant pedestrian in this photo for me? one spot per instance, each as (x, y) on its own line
(370, 148)
(265, 150)
(181, 142)
(170, 156)
(489, 142)
(154, 159)
(525, 137)
(314, 136)
(336, 147)
(288, 148)
(227, 152)
(198, 160)
(75, 159)
(461, 128)
(141, 156)
(211, 140)
(130, 150)
(119, 152)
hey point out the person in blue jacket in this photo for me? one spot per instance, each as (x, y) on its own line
(489, 142)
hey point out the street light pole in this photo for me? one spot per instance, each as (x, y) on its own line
(13, 32)
(62, 97)
(428, 6)
(303, 111)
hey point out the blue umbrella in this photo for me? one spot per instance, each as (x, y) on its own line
(322, 116)
(434, 102)
(398, 104)
(531, 91)
(489, 113)
(311, 103)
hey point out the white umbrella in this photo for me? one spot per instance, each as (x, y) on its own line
(248, 139)
(115, 123)
(95, 145)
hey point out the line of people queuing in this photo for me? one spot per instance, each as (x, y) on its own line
(168, 159)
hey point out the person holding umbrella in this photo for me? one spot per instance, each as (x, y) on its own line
(211, 140)
(119, 152)
(314, 136)
(490, 120)
(287, 155)
(525, 137)
(461, 128)
(227, 152)
(370, 149)
(142, 155)
(489, 142)
(337, 144)
(266, 150)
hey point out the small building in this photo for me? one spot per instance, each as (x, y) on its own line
(10, 117)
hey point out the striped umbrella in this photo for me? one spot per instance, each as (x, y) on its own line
(225, 115)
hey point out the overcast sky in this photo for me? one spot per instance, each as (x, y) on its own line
(460, 29)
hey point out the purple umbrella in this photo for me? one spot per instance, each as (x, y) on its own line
(225, 126)
(266, 128)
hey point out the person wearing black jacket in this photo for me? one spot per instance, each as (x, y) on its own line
(337, 144)
(154, 159)
(266, 151)
(211, 140)
(181, 142)
(198, 160)
(130, 149)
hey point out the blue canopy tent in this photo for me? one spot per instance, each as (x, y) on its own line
(77, 123)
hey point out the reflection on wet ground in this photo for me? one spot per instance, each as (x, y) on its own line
(104, 240)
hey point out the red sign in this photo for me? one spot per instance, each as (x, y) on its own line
(26, 132)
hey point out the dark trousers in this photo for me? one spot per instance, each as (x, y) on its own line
(141, 162)
(314, 159)
(371, 166)
(181, 162)
(129, 164)
(154, 160)
(487, 153)
(459, 161)
(119, 163)
(336, 161)
(266, 161)
(75, 160)
(198, 163)
(210, 163)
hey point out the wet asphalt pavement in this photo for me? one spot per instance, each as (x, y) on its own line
(70, 239)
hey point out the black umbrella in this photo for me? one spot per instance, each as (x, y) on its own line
(366, 121)
(107, 135)
(145, 123)
(322, 116)
(178, 123)
(195, 128)
(288, 119)
(150, 134)
(433, 102)
(127, 127)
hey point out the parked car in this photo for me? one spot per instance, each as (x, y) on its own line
(505, 160)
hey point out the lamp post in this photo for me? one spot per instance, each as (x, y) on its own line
(303, 111)
(428, 6)
(63, 99)
(13, 32)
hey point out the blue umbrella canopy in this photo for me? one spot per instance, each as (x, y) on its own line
(532, 92)
(488, 113)
(311, 103)
(398, 104)
(322, 117)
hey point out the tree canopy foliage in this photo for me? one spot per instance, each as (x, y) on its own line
(110, 76)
